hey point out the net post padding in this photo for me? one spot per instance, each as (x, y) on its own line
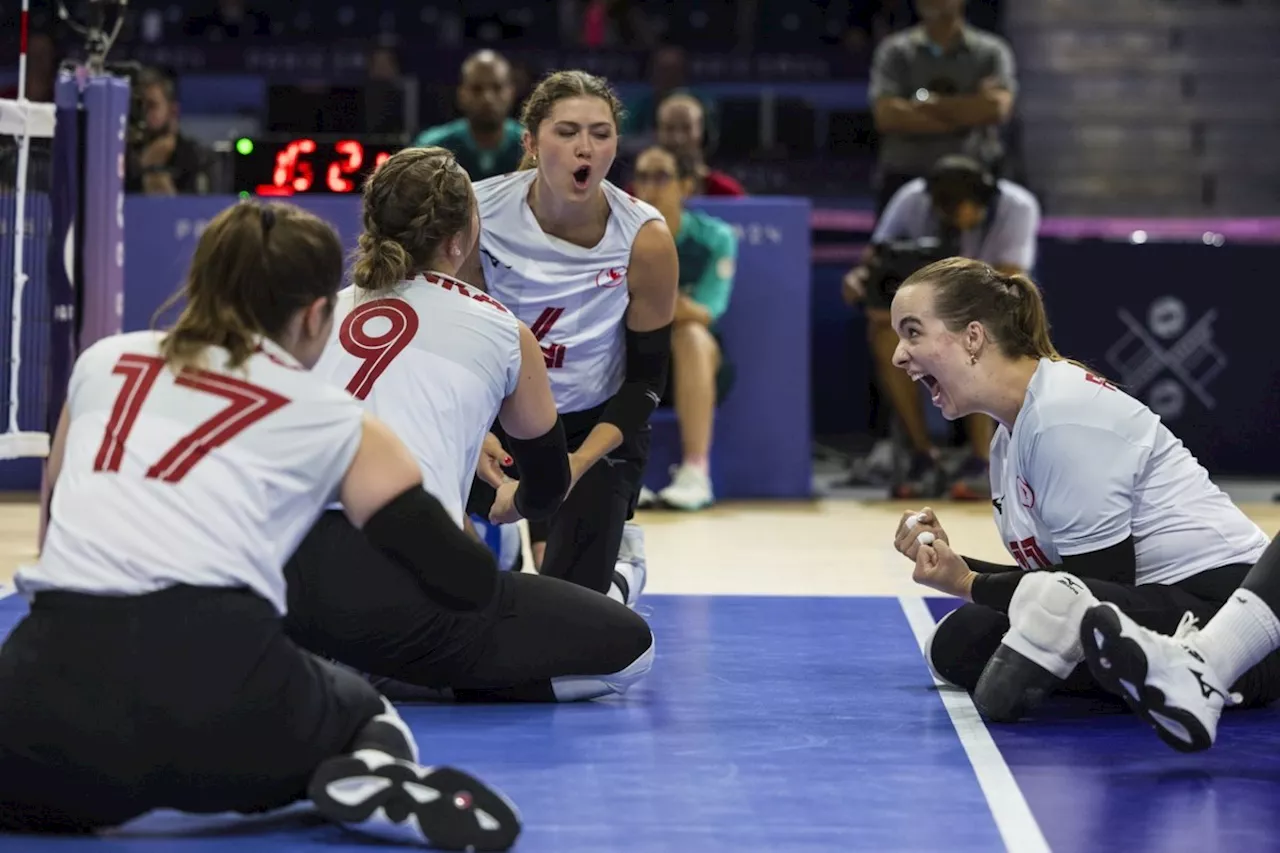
(25, 121)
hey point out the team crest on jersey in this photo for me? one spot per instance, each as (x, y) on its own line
(1025, 494)
(611, 277)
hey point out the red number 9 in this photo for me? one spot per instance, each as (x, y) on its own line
(376, 352)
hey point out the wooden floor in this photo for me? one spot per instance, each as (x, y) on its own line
(818, 548)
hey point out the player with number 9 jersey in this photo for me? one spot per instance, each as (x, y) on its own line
(440, 360)
(1093, 496)
(434, 359)
(185, 467)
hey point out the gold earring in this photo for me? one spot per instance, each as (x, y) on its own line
(973, 359)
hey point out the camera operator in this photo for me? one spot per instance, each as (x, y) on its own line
(162, 161)
(960, 208)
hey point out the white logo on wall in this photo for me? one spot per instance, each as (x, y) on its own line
(1163, 360)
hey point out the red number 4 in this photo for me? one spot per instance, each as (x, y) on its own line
(247, 404)
(1028, 554)
(552, 354)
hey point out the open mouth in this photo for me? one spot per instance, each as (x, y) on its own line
(935, 390)
(580, 177)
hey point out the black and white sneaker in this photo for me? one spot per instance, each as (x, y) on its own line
(1165, 680)
(374, 794)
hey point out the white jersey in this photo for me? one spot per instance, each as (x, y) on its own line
(1087, 466)
(574, 300)
(434, 361)
(207, 478)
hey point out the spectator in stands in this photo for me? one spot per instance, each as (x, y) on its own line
(668, 70)
(486, 140)
(682, 130)
(699, 377)
(939, 88)
(230, 20)
(161, 160)
(971, 213)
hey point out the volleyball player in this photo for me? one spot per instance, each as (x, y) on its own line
(153, 670)
(593, 272)
(1094, 497)
(438, 361)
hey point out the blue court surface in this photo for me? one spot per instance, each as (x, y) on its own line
(804, 724)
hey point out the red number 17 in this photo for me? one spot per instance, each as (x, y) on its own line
(248, 404)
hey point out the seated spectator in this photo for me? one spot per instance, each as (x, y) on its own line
(486, 140)
(699, 376)
(161, 160)
(967, 212)
(682, 130)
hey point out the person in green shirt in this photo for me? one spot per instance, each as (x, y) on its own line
(700, 377)
(486, 140)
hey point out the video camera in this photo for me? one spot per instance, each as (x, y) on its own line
(894, 262)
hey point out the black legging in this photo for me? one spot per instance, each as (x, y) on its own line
(349, 603)
(584, 536)
(967, 638)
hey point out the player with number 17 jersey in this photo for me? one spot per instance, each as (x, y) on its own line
(271, 434)
(434, 361)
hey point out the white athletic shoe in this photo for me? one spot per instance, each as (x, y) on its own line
(1040, 649)
(648, 498)
(1165, 680)
(690, 490)
(386, 798)
(630, 571)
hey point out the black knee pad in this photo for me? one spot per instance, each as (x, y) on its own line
(962, 642)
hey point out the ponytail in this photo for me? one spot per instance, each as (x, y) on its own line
(218, 310)
(255, 266)
(380, 263)
(1030, 316)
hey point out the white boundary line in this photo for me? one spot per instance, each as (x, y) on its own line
(1013, 817)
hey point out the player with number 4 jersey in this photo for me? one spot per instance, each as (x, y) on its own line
(439, 360)
(1095, 499)
(153, 669)
(594, 273)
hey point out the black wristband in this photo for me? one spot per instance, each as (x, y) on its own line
(544, 472)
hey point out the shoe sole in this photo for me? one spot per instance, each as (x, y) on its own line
(440, 806)
(1115, 660)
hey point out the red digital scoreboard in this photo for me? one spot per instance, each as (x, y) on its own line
(307, 165)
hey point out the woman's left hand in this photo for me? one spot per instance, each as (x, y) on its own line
(940, 568)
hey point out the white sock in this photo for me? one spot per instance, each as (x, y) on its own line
(615, 592)
(1239, 635)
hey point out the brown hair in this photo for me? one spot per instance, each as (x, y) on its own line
(255, 266)
(556, 87)
(417, 200)
(686, 166)
(1009, 307)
